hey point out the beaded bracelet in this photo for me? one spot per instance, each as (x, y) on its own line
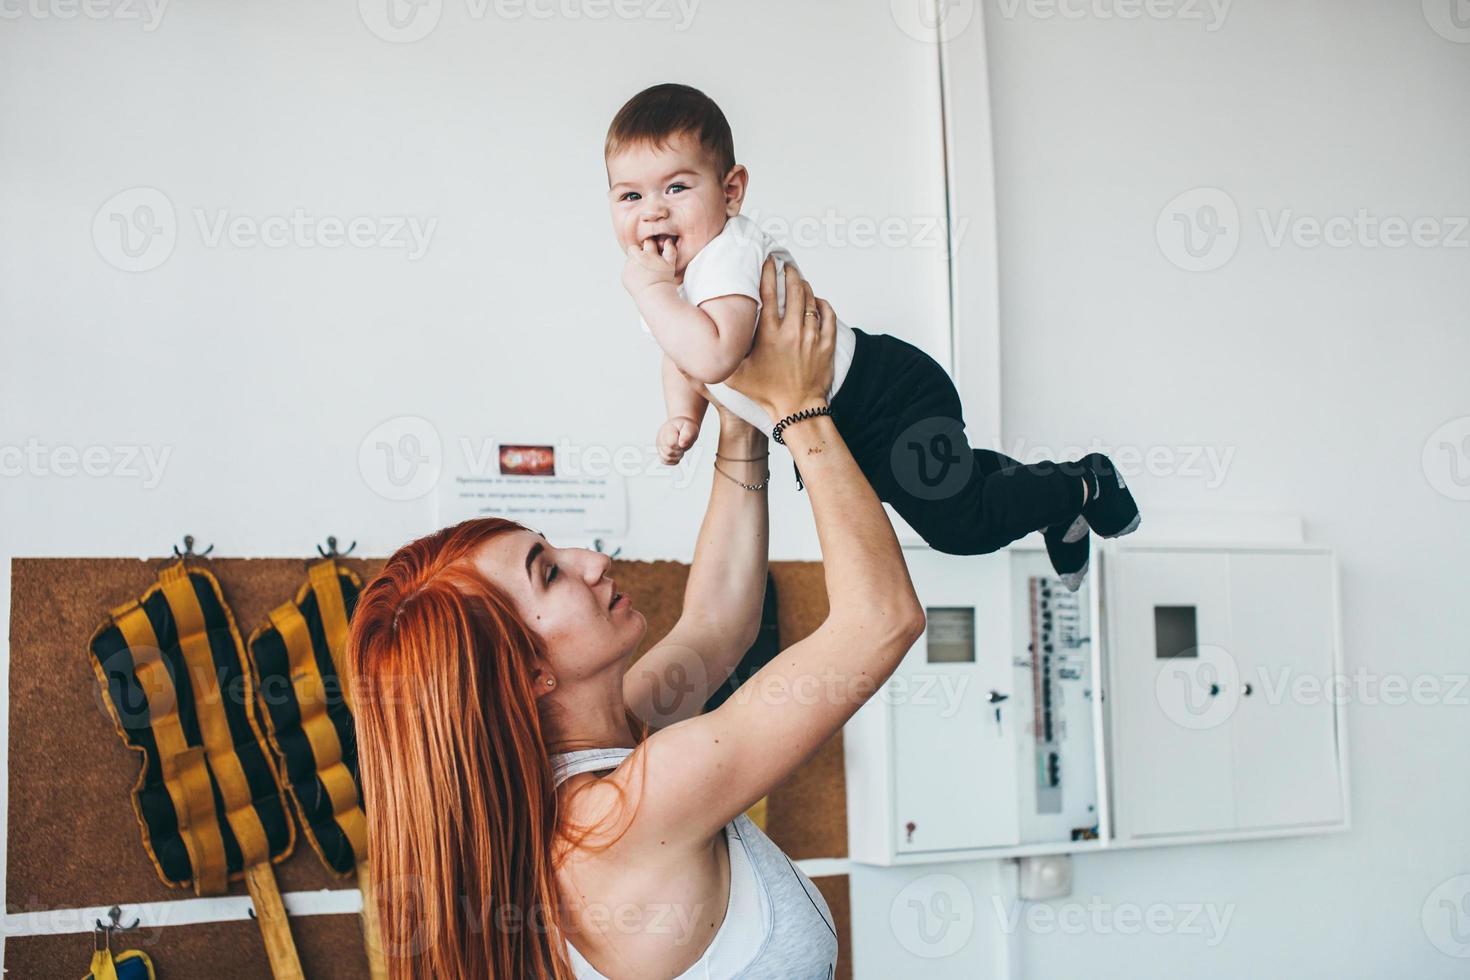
(748, 486)
(801, 416)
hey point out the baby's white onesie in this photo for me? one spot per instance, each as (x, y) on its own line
(730, 265)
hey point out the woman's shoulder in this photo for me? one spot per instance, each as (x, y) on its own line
(629, 799)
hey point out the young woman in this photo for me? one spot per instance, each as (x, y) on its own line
(524, 821)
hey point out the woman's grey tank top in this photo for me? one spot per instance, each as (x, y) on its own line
(777, 925)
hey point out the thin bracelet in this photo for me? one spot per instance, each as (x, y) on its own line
(801, 416)
(743, 459)
(748, 486)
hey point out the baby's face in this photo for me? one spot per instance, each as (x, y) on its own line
(670, 193)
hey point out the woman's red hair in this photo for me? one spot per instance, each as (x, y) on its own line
(456, 775)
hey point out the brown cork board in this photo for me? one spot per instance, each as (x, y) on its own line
(64, 749)
(330, 947)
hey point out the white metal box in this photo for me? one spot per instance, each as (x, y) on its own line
(987, 739)
(1223, 664)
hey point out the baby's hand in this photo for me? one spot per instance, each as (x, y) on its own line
(675, 437)
(647, 266)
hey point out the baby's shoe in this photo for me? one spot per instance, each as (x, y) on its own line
(1110, 510)
(1069, 552)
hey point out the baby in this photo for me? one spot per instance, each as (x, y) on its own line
(693, 269)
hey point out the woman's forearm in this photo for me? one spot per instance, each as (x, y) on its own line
(868, 583)
(797, 701)
(727, 582)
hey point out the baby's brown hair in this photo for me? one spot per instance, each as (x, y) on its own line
(656, 114)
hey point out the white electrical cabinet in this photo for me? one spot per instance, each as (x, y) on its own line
(986, 739)
(1223, 666)
(1189, 697)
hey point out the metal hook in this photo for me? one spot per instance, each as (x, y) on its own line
(597, 546)
(189, 551)
(114, 920)
(331, 549)
(106, 929)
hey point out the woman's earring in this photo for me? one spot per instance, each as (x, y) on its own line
(551, 682)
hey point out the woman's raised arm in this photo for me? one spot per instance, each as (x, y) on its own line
(703, 772)
(722, 599)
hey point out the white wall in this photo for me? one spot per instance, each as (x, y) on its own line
(1324, 370)
(261, 370)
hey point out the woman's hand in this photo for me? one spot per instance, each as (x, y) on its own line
(789, 367)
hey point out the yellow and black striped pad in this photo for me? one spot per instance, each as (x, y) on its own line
(173, 674)
(306, 702)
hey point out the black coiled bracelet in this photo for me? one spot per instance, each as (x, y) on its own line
(801, 416)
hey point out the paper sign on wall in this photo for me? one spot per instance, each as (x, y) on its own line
(523, 482)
